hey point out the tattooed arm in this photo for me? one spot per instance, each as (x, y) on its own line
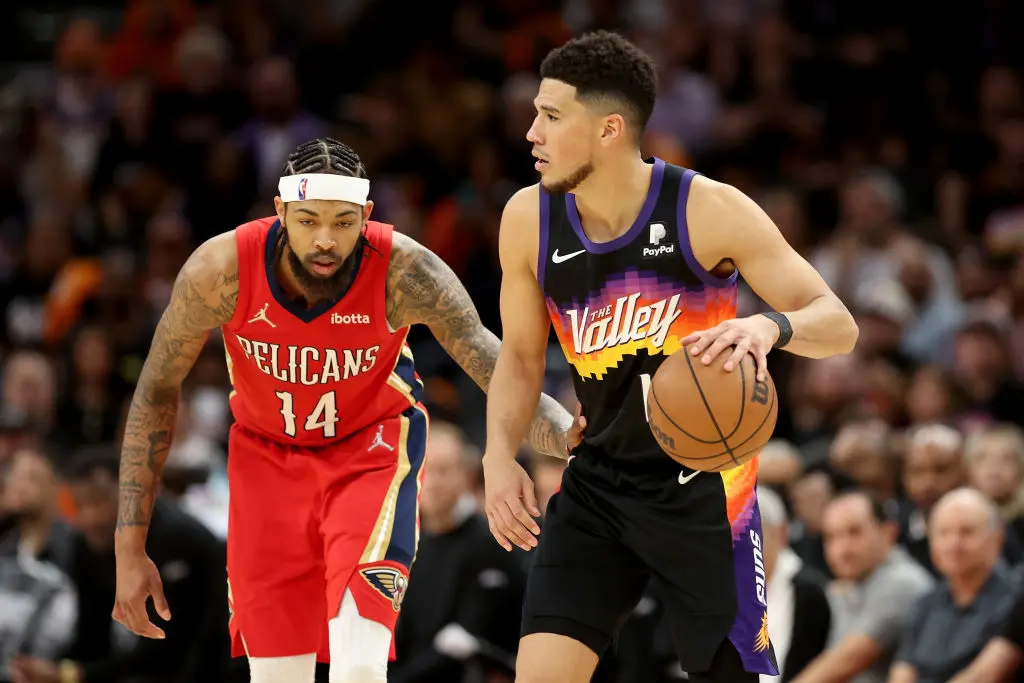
(203, 298)
(421, 288)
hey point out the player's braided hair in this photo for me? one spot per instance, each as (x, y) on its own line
(323, 155)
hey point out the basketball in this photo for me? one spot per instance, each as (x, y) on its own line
(706, 418)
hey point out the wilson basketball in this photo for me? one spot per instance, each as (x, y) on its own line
(706, 418)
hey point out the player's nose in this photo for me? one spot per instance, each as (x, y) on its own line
(533, 135)
(324, 243)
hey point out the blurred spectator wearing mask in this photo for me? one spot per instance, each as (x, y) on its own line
(460, 615)
(876, 586)
(801, 615)
(954, 621)
(30, 497)
(192, 568)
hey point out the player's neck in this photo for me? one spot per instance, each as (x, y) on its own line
(611, 198)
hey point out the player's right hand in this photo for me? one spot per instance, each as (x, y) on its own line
(138, 579)
(510, 503)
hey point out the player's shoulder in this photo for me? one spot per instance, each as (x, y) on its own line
(714, 197)
(522, 208)
(407, 252)
(720, 214)
(215, 261)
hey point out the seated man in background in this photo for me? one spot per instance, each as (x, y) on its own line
(956, 619)
(461, 615)
(875, 588)
(192, 566)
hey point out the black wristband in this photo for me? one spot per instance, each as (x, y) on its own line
(785, 329)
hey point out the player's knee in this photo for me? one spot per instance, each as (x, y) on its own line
(359, 646)
(297, 669)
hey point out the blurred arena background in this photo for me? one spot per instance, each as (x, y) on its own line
(886, 140)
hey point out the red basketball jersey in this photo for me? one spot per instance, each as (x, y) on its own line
(312, 376)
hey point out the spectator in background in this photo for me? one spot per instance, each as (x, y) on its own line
(28, 382)
(995, 466)
(1002, 656)
(801, 617)
(875, 587)
(955, 620)
(30, 497)
(810, 495)
(37, 619)
(465, 585)
(192, 567)
(932, 467)
(862, 450)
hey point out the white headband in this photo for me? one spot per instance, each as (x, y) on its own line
(330, 186)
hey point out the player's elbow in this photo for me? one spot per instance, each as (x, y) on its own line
(526, 360)
(848, 333)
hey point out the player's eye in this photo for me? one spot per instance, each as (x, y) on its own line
(552, 117)
(305, 221)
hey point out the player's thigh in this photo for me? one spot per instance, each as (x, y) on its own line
(370, 519)
(702, 543)
(275, 554)
(583, 586)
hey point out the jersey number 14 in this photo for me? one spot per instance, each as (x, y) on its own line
(324, 416)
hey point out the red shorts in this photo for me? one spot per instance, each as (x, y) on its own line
(306, 524)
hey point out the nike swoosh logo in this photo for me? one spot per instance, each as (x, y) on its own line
(556, 258)
(686, 479)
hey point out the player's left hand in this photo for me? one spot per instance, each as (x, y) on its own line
(754, 335)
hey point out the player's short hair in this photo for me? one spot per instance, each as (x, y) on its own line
(606, 68)
(324, 155)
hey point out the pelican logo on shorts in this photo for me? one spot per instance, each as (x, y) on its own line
(302, 189)
(658, 233)
(387, 581)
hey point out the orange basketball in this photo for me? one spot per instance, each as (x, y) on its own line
(706, 418)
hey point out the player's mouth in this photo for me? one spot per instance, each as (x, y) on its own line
(541, 163)
(324, 265)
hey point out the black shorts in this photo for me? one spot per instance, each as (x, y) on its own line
(615, 526)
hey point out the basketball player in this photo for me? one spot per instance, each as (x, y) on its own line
(631, 260)
(326, 453)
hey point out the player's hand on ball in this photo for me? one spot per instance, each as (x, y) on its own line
(511, 503)
(138, 579)
(754, 335)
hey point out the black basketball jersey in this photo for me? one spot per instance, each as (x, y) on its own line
(620, 308)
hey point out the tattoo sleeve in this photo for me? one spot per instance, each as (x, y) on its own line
(204, 297)
(422, 289)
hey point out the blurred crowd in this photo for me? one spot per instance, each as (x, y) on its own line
(885, 139)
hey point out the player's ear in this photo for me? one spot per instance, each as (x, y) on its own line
(279, 208)
(613, 128)
(367, 210)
